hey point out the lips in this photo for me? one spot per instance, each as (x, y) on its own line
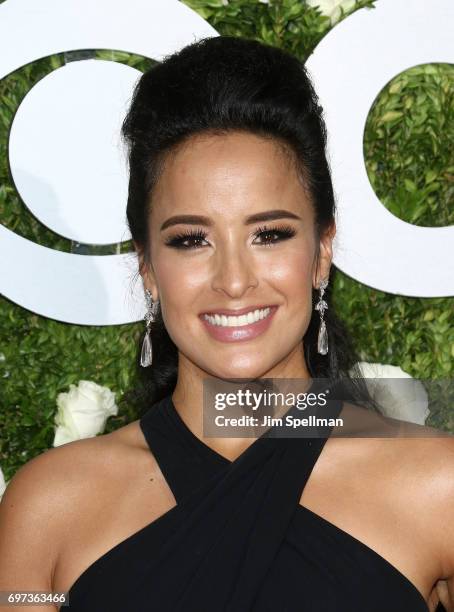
(239, 333)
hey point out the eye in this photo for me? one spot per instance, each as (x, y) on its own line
(191, 239)
(178, 241)
(274, 234)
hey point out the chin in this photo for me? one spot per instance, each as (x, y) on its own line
(240, 371)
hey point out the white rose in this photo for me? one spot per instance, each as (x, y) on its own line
(398, 400)
(83, 411)
(2, 484)
(332, 8)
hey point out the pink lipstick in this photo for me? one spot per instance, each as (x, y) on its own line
(241, 332)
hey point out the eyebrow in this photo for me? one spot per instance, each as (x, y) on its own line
(269, 215)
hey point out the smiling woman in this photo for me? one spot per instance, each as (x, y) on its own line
(232, 263)
(229, 191)
(232, 214)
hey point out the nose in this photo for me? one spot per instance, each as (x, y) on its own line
(234, 272)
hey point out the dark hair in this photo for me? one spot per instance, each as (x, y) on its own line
(216, 85)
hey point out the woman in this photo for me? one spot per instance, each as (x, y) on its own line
(231, 210)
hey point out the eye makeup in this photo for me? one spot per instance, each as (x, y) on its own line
(177, 241)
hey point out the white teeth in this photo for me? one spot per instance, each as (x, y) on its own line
(231, 321)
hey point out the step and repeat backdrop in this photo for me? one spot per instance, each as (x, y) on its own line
(71, 305)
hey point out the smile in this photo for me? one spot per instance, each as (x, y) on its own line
(231, 328)
(232, 321)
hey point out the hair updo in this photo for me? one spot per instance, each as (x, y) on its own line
(217, 85)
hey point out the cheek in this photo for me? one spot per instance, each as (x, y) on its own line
(292, 271)
(179, 277)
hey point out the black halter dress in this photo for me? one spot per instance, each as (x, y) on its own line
(238, 540)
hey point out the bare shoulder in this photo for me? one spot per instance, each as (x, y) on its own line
(403, 479)
(436, 464)
(39, 488)
(50, 482)
(33, 511)
(415, 465)
(63, 486)
(407, 454)
(51, 479)
(435, 471)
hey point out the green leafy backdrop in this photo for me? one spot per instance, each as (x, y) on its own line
(410, 165)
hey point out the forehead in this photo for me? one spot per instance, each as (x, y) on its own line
(228, 173)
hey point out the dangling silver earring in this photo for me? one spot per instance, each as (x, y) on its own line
(321, 306)
(146, 356)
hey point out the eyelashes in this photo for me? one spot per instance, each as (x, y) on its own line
(177, 241)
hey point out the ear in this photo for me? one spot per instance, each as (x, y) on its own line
(146, 272)
(325, 255)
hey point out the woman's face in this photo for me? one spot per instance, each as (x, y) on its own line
(232, 228)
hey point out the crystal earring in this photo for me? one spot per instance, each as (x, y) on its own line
(321, 306)
(146, 356)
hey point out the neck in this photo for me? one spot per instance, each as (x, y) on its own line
(188, 397)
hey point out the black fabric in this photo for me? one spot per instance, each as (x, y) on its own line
(238, 540)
